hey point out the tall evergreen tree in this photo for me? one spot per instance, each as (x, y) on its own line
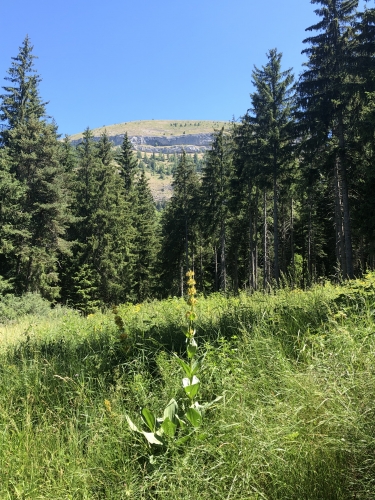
(21, 99)
(271, 114)
(179, 226)
(99, 271)
(128, 163)
(13, 220)
(326, 100)
(145, 245)
(217, 174)
(33, 153)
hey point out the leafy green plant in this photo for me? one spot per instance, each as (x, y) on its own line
(168, 426)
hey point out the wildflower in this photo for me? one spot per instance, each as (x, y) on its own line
(108, 406)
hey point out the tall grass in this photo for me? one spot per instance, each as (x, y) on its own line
(296, 370)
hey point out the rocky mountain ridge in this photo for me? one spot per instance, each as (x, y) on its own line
(191, 143)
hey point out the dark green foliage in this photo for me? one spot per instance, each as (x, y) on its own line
(327, 94)
(34, 158)
(128, 162)
(145, 241)
(215, 200)
(102, 233)
(13, 220)
(179, 226)
(271, 116)
(33, 155)
(21, 99)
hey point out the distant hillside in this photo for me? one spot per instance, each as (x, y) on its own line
(159, 143)
(158, 128)
(161, 136)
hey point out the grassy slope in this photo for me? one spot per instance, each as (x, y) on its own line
(297, 374)
(158, 128)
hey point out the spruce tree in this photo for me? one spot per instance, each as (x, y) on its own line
(128, 163)
(145, 241)
(21, 99)
(99, 271)
(34, 156)
(179, 223)
(271, 114)
(326, 100)
(215, 199)
(13, 220)
(33, 152)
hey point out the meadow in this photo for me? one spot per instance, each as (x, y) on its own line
(157, 128)
(295, 370)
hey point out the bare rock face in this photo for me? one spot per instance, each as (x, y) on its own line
(191, 143)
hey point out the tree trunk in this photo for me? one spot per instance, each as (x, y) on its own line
(345, 200)
(223, 271)
(292, 243)
(339, 229)
(251, 246)
(182, 280)
(265, 281)
(235, 272)
(216, 269)
(275, 225)
(256, 241)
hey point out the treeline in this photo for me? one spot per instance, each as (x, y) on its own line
(285, 197)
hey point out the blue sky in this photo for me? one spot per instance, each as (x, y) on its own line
(105, 62)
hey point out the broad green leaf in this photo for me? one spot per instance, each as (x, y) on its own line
(171, 410)
(149, 419)
(195, 367)
(192, 348)
(185, 330)
(184, 366)
(183, 439)
(194, 417)
(192, 390)
(132, 426)
(181, 422)
(169, 427)
(151, 438)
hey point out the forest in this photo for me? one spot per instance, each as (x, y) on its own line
(285, 197)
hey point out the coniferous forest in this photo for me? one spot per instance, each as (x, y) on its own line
(285, 198)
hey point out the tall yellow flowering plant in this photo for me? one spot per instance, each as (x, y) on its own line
(171, 425)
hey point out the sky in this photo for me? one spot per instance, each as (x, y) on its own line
(105, 62)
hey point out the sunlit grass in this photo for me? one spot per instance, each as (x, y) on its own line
(296, 370)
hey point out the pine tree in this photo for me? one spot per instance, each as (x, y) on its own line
(271, 115)
(128, 163)
(326, 100)
(33, 153)
(34, 156)
(145, 241)
(217, 174)
(21, 99)
(179, 226)
(13, 220)
(100, 268)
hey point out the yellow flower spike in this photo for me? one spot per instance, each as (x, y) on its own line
(108, 406)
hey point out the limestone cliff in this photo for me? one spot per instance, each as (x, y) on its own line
(191, 143)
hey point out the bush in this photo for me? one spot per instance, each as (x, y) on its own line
(13, 307)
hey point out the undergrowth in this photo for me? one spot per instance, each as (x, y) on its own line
(296, 370)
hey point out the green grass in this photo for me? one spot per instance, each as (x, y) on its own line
(296, 370)
(159, 128)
